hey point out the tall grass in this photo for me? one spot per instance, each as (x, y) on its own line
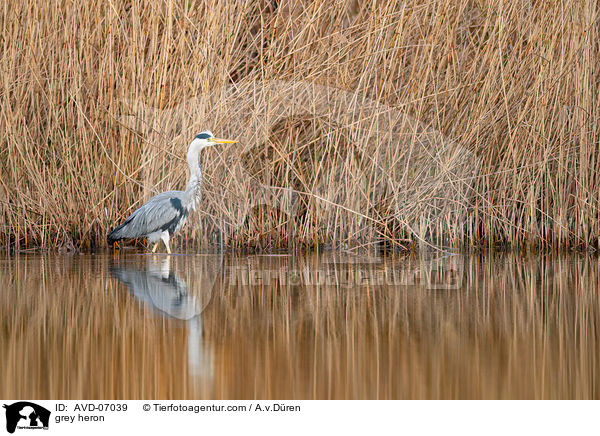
(452, 123)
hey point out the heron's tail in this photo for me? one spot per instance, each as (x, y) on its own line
(117, 233)
(113, 236)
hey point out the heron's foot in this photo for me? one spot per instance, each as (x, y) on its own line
(168, 249)
(155, 247)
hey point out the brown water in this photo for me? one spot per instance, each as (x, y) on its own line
(135, 326)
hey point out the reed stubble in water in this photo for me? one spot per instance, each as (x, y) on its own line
(516, 85)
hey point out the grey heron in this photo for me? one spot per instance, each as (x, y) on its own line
(166, 213)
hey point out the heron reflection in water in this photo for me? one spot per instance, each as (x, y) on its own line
(159, 286)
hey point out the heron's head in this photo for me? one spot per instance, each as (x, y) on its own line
(207, 139)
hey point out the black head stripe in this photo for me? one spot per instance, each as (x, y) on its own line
(203, 135)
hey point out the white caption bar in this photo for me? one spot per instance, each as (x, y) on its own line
(22, 417)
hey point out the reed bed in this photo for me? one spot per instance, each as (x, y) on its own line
(393, 124)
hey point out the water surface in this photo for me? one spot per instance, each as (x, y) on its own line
(135, 326)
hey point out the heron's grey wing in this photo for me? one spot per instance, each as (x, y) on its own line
(160, 213)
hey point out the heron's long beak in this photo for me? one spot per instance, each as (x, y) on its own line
(222, 141)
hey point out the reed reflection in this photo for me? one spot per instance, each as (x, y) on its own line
(294, 327)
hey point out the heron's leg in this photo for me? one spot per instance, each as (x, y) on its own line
(155, 247)
(165, 239)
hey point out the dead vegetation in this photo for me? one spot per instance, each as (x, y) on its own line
(396, 124)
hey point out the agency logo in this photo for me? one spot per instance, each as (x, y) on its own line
(26, 415)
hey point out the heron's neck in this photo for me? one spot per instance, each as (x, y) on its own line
(193, 186)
